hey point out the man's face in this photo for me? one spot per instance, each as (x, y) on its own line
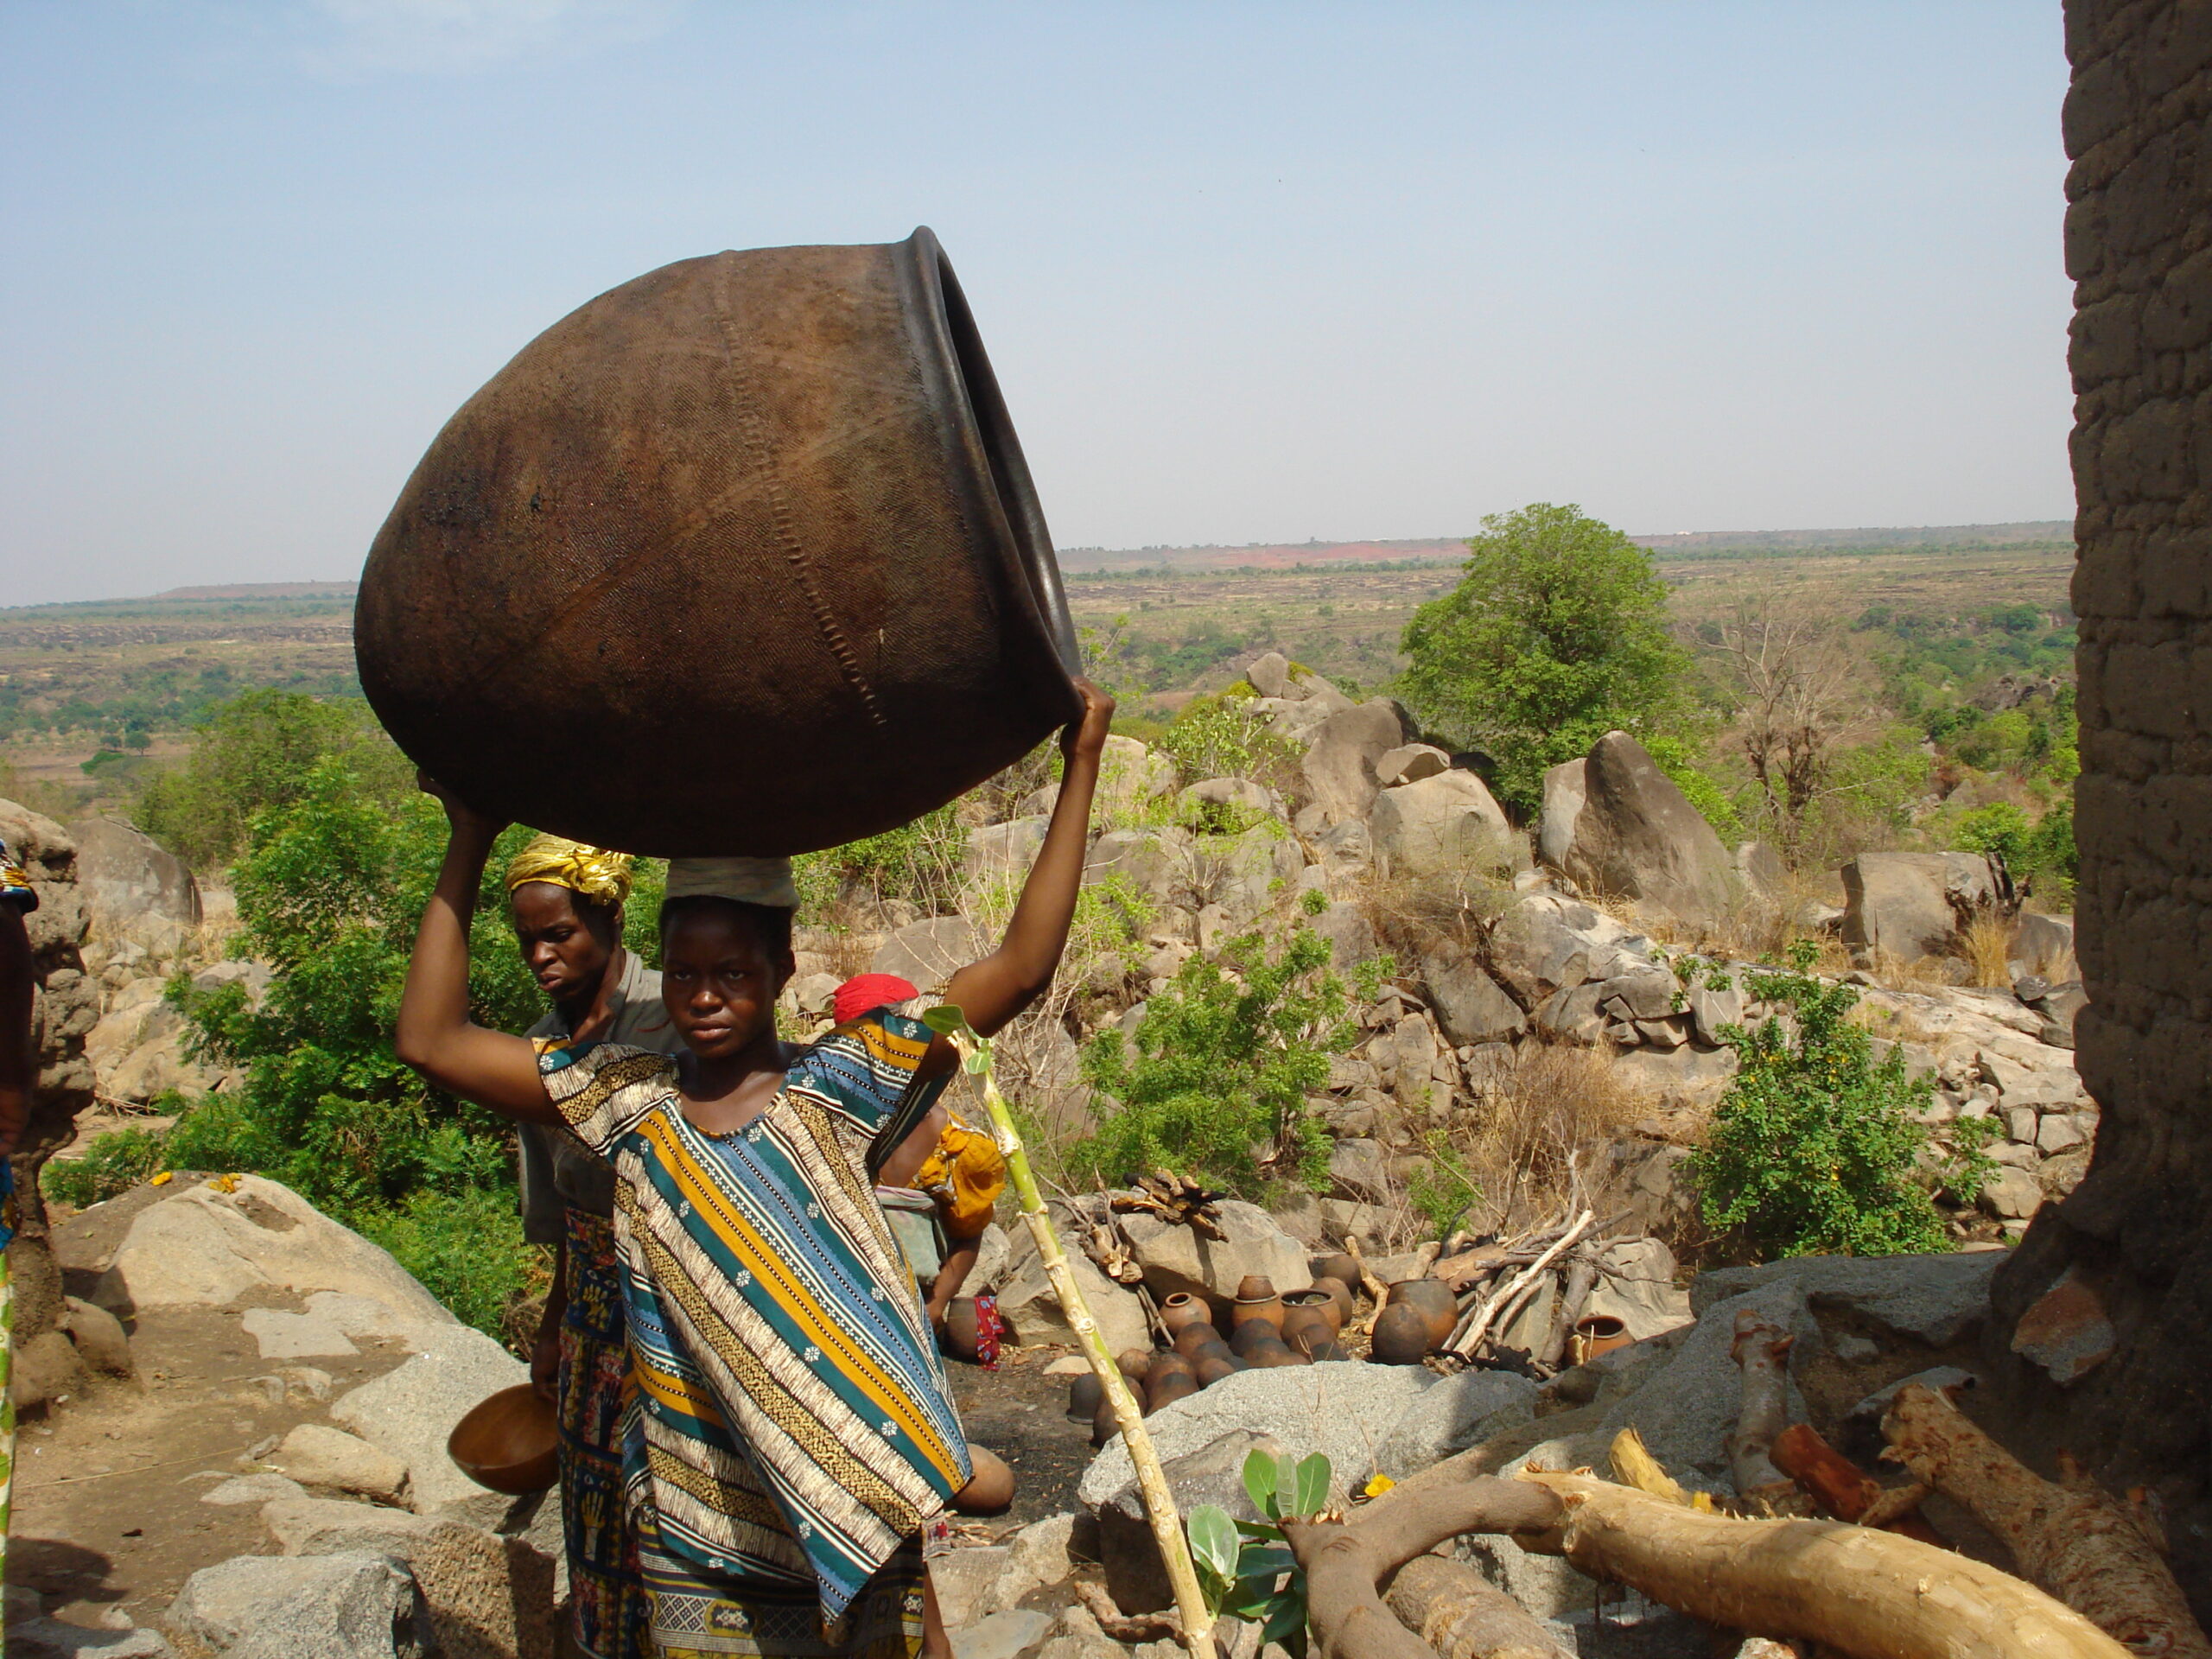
(566, 945)
(718, 981)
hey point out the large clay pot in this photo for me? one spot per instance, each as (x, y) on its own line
(1341, 1267)
(961, 1336)
(1401, 1335)
(1305, 1329)
(1165, 1364)
(990, 1489)
(1433, 1298)
(1327, 1350)
(1195, 1336)
(1214, 1367)
(755, 534)
(1320, 1301)
(1339, 1294)
(1183, 1309)
(1176, 1385)
(1255, 1300)
(1083, 1394)
(1133, 1362)
(1104, 1425)
(1242, 1339)
(1271, 1354)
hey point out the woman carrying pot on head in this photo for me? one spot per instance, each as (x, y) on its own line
(566, 901)
(791, 1448)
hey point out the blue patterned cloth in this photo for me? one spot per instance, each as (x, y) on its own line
(793, 1425)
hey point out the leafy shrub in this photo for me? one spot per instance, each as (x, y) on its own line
(919, 863)
(1814, 1149)
(1225, 1058)
(114, 1162)
(466, 1247)
(2041, 852)
(1226, 737)
(253, 754)
(1444, 1187)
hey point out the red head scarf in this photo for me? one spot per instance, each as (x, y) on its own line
(858, 995)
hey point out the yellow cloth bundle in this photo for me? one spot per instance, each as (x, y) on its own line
(965, 1174)
(593, 873)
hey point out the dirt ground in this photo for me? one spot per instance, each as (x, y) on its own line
(108, 1522)
(1021, 1414)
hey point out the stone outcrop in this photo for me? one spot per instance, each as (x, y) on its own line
(1338, 769)
(133, 887)
(64, 1009)
(1443, 823)
(1637, 836)
(1907, 905)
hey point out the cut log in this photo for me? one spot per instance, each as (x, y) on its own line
(1457, 1612)
(2093, 1554)
(1762, 1348)
(1840, 1487)
(1477, 1325)
(1871, 1595)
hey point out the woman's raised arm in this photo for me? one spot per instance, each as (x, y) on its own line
(992, 991)
(434, 1034)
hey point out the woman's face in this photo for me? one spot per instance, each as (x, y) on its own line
(718, 981)
(566, 945)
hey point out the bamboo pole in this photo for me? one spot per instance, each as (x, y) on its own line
(1195, 1623)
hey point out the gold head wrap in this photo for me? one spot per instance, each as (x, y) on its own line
(592, 872)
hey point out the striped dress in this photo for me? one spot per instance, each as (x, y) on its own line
(791, 1433)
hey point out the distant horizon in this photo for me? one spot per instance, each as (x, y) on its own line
(2001, 531)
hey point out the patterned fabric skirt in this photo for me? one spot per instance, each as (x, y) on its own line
(696, 1615)
(607, 1599)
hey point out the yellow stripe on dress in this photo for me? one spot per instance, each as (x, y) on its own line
(770, 1271)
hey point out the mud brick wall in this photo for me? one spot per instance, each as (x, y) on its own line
(2138, 247)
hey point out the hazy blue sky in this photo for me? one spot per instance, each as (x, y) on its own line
(1247, 272)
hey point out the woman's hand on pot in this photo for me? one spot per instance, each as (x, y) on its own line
(1086, 738)
(464, 818)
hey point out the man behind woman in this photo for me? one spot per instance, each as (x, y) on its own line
(790, 1442)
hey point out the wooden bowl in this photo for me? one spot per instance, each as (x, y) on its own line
(509, 1443)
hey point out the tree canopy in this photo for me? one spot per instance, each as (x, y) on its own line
(1556, 635)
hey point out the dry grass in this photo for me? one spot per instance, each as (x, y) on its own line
(1539, 1127)
(1987, 944)
(1406, 911)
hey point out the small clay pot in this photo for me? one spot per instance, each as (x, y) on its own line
(1303, 1328)
(1435, 1301)
(1083, 1394)
(1241, 1339)
(1340, 1296)
(1181, 1309)
(1596, 1334)
(1270, 1355)
(1266, 1307)
(990, 1489)
(960, 1338)
(1215, 1350)
(1341, 1267)
(1254, 1287)
(1327, 1350)
(1212, 1370)
(1401, 1334)
(1176, 1385)
(1195, 1336)
(1164, 1362)
(1320, 1301)
(1104, 1425)
(1134, 1363)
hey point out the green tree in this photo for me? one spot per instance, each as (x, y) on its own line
(1555, 635)
(255, 752)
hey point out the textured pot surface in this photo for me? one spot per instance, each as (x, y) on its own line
(1435, 1301)
(741, 557)
(1401, 1335)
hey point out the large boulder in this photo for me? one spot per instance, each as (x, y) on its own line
(208, 1248)
(1566, 787)
(1343, 1408)
(134, 888)
(1032, 1312)
(1932, 1299)
(1469, 1004)
(1157, 862)
(1443, 825)
(410, 1410)
(1637, 836)
(1004, 849)
(1178, 1258)
(1339, 768)
(2044, 946)
(1546, 941)
(1460, 1412)
(352, 1606)
(1210, 1473)
(1908, 906)
(928, 953)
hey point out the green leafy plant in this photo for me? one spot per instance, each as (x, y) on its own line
(1224, 1059)
(114, 1162)
(1815, 1148)
(1444, 1188)
(1245, 1567)
(1226, 737)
